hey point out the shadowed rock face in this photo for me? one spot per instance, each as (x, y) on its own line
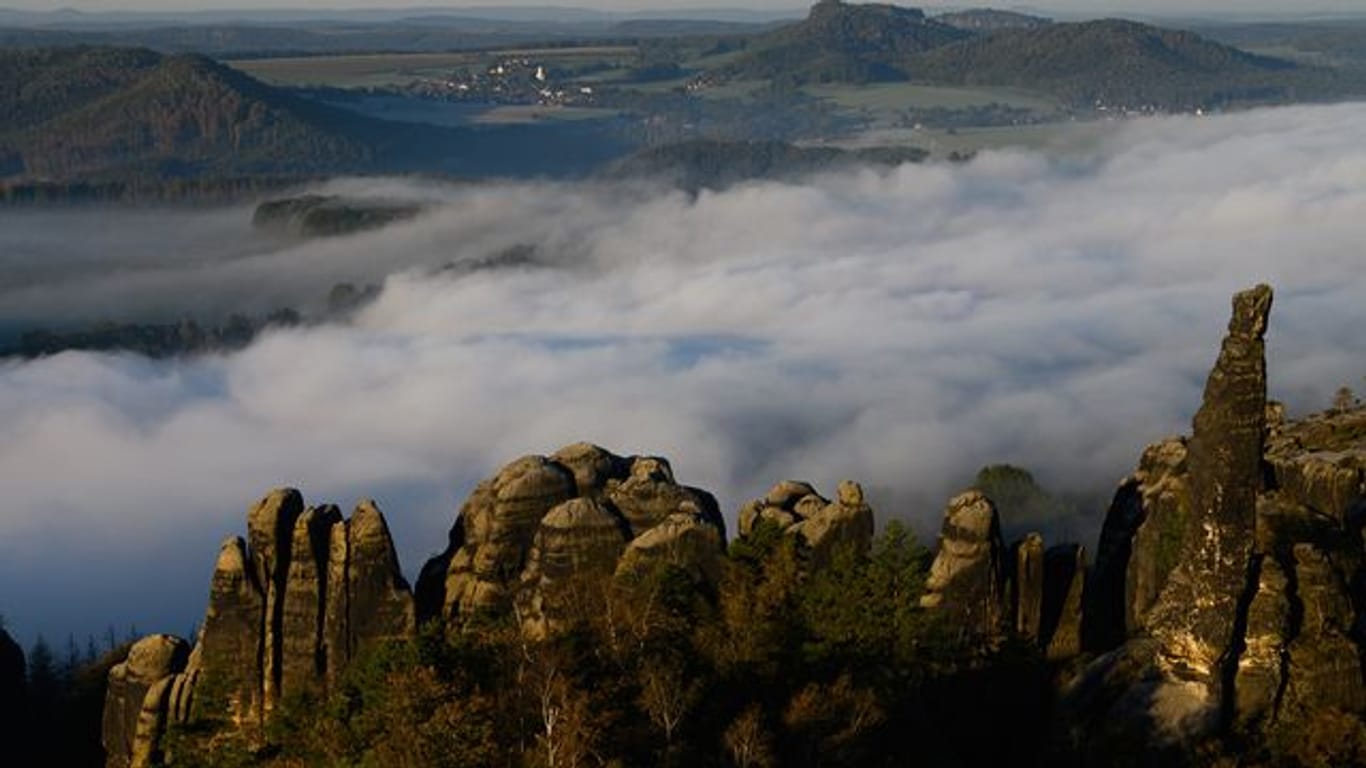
(1064, 582)
(541, 520)
(1027, 587)
(289, 608)
(13, 676)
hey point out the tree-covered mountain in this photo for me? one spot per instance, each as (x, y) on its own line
(77, 112)
(1121, 63)
(1112, 62)
(839, 42)
(96, 114)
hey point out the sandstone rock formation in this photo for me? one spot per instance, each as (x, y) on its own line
(289, 608)
(136, 704)
(684, 540)
(1064, 581)
(1227, 595)
(986, 592)
(1027, 586)
(968, 576)
(822, 526)
(525, 531)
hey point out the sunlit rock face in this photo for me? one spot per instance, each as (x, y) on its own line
(820, 525)
(1226, 601)
(967, 578)
(985, 592)
(289, 608)
(136, 701)
(526, 535)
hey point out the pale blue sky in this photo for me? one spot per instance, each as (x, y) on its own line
(1097, 7)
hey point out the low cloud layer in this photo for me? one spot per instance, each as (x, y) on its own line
(898, 327)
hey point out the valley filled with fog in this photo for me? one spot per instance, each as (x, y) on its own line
(901, 327)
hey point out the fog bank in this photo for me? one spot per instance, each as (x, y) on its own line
(900, 327)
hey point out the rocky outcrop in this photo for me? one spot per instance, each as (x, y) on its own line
(1227, 596)
(583, 510)
(1195, 616)
(1027, 587)
(1064, 581)
(985, 592)
(289, 608)
(685, 540)
(137, 701)
(1140, 543)
(967, 579)
(581, 537)
(820, 525)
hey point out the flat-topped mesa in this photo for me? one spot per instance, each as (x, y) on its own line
(541, 522)
(289, 608)
(821, 526)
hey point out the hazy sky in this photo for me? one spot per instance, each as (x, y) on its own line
(1090, 7)
(898, 327)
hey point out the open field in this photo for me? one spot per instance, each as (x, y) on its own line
(531, 113)
(381, 70)
(901, 96)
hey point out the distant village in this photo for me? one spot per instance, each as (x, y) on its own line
(515, 80)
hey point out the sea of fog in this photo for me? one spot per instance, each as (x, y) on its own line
(901, 327)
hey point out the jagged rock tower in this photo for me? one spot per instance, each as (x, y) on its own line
(289, 607)
(1226, 601)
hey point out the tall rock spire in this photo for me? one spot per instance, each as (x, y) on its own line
(1196, 615)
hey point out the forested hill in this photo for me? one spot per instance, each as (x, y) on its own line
(1117, 63)
(839, 42)
(1121, 63)
(77, 112)
(95, 114)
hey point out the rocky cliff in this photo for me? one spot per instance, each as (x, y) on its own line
(1226, 601)
(821, 526)
(289, 607)
(986, 592)
(527, 533)
(1226, 607)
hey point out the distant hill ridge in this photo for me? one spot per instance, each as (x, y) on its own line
(92, 114)
(1116, 62)
(82, 111)
(1111, 61)
(841, 42)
